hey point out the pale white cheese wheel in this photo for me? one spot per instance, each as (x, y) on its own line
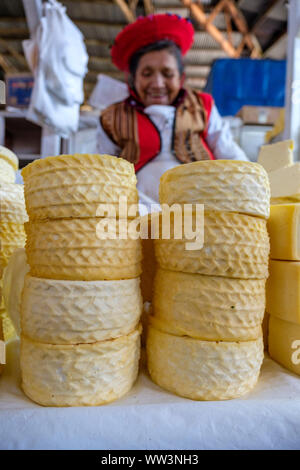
(203, 370)
(10, 157)
(12, 203)
(66, 312)
(79, 374)
(7, 172)
(75, 185)
(223, 185)
(70, 249)
(208, 307)
(235, 245)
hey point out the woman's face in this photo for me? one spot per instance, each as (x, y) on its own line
(157, 79)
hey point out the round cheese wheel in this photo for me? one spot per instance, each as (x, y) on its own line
(223, 185)
(76, 186)
(79, 374)
(208, 307)
(70, 249)
(235, 245)
(12, 236)
(203, 370)
(66, 312)
(12, 203)
(7, 172)
(10, 157)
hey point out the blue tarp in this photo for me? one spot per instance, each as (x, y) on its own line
(238, 82)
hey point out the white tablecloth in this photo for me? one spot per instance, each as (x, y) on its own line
(151, 418)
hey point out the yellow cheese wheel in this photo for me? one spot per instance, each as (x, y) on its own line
(9, 331)
(12, 236)
(79, 374)
(203, 370)
(223, 185)
(235, 245)
(12, 203)
(69, 249)
(75, 185)
(66, 312)
(208, 307)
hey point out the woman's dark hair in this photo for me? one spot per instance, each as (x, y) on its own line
(170, 46)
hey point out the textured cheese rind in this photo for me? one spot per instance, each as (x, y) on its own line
(7, 173)
(284, 230)
(208, 307)
(12, 236)
(10, 157)
(284, 344)
(75, 185)
(203, 370)
(235, 245)
(71, 250)
(66, 312)
(223, 185)
(283, 290)
(12, 203)
(80, 374)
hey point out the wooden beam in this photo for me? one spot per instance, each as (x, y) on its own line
(6, 65)
(228, 27)
(19, 57)
(200, 16)
(149, 8)
(217, 9)
(129, 15)
(264, 15)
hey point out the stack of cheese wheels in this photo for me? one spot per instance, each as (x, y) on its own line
(283, 286)
(81, 304)
(12, 236)
(205, 337)
(12, 218)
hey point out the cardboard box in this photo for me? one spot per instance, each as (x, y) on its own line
(18, 89)
(264, 115)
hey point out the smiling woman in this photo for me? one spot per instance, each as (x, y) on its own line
(162, 123)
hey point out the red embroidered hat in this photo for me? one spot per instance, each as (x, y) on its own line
(148, 29)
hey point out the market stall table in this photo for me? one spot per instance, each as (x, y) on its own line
(151, 418)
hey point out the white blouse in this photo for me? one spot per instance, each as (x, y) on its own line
(219, 139)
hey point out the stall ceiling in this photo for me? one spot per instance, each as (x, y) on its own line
(101, 20)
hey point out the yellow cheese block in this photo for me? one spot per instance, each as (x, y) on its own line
(284, 343)
(12, 236)
(285, 182)
(284, 230)
(277, 155)
(235, 245)
(10, 157)
(12, 203)
(66, 312)
(69, 249)
(203, 370)
(208, 307)
(7, 173)
(223, 185)
(283, 290)
(75, 185)
(79, 374)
